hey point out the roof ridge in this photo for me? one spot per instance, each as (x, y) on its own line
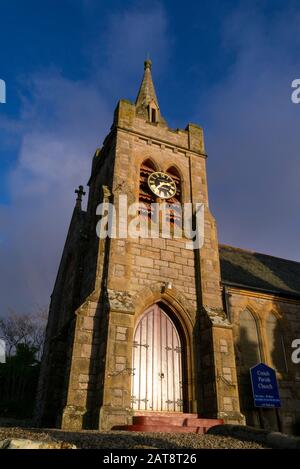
(259, 253)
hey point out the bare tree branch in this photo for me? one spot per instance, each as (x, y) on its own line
(26, 329)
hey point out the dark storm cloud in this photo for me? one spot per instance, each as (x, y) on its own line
(61, 125)
(253, 135)
(251, 129)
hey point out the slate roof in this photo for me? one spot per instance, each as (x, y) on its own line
(257, 271)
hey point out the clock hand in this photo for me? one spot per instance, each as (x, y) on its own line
(163, 188)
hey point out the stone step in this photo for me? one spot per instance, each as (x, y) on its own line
(182, 420)
(164, 422)
(160, 429)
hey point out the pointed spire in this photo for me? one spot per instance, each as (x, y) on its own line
(146, 92)
(146, 96)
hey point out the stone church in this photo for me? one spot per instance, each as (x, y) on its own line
(147, 325)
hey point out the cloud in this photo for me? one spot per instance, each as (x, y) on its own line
(61, 124)
(129, 37)
(253, 137)
(251, 129)
(54, 157)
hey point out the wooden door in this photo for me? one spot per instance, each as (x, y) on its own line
(157, 363)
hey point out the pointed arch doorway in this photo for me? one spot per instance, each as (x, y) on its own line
(157, 363)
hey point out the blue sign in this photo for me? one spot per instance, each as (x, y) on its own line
(264, 386)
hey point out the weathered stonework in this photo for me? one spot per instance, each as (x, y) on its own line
(263, 305)
(104, 286)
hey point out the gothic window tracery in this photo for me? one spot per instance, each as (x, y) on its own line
(176, 201)
(146, 196)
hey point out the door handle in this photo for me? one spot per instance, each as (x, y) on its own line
(161, 375)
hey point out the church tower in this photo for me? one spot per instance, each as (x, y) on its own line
(137, 323)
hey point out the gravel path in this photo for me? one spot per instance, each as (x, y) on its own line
(135, 440)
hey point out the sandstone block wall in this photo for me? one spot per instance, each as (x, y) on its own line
(286, 311)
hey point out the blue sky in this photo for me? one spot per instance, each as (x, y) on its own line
(226, 65)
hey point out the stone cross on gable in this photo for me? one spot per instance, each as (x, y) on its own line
(80, 192)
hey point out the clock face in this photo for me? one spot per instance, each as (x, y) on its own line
(162, 185)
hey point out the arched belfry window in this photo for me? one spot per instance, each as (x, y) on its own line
(176, 214)
(146, 196)
(275, 343)
(248, 343)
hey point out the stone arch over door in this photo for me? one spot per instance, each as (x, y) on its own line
(158, 362)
